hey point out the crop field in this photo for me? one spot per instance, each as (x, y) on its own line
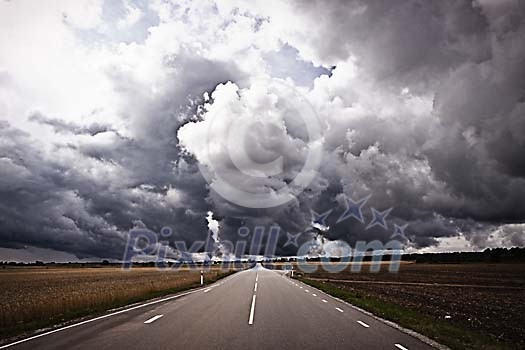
(31, 298)
(472, 299)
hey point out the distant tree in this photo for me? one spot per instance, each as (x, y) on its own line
(105, 262)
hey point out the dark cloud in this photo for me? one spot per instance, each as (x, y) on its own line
(61, 126)
(463, 161)
(424, 111)
(85, 196)
(457, 167)
(405, 41)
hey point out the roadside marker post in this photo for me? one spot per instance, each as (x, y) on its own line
(202, 277)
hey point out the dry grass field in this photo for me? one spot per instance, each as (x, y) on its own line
(470, 299)
(37, 297)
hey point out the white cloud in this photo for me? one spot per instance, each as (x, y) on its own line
(132, 16)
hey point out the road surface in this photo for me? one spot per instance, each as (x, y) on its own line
(252, 309)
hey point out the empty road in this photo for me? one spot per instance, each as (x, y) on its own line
(252, 309)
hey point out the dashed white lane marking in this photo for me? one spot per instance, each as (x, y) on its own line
(399, 346)
(363, 324)
(98, 318)
(338, 309)
(153, 319)
(314, 294)
(257, 278)
(255, 287)
(127, 309)
(324, 301)
(207, 290)
(252, 310)
(306, 290)
(301, 287)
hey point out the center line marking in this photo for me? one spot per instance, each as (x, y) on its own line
(324, 301)
(399, 346)
(252, 310)
(338, 309)
(255, 287)
(314, 294)
(363, 324)
(153, 319)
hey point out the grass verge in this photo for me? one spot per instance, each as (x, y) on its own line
(441, 331)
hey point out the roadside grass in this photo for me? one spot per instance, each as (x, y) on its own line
(93, 305)
(441, 331)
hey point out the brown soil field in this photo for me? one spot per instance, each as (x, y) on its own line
(36, 297)
(488, 298)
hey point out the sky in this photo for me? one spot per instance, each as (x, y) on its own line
(123, 114)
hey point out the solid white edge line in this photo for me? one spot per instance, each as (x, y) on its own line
(399, 346)
(339, 309)
(207, 290)
(394, 325)
(108, 315)
(97, 318)
(153, 319)
(252, 310)
(363, 324)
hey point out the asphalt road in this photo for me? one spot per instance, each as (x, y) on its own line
(252, 309)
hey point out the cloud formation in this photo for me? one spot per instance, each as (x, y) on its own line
(421, 105)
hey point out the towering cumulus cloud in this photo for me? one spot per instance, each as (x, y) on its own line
(119, 112)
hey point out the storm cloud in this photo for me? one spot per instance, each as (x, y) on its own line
(421, 108)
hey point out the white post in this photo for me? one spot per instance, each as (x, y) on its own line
(292, 271)
(202, 277)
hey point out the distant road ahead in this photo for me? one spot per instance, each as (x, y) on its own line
(253, 309)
